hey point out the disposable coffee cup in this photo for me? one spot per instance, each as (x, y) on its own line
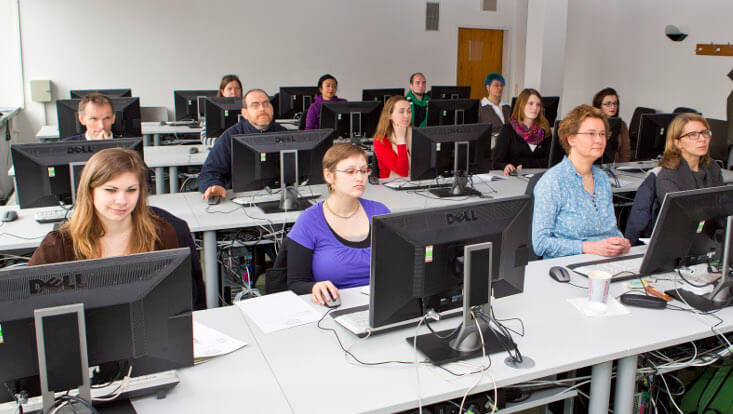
(598, 284)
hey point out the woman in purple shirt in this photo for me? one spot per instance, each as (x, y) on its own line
(329, 246)
(327, 87)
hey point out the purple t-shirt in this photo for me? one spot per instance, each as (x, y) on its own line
(344, 266)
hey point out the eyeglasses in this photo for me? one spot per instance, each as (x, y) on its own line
(591, 134)
(352, 171)
(257, 105)
(698, 135)
(610, 103)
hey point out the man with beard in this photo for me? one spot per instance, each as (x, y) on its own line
(257, 117)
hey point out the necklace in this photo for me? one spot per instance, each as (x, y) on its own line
(350, 215)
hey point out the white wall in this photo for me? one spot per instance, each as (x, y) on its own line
(11, 91)
(545, 46)
(621, 44)
(155, 47)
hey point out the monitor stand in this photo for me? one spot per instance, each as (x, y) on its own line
(722, 294)
(459, 188)
(466, 343)
(290, 199)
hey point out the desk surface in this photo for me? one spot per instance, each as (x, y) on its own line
(303, 370)
(52, 131)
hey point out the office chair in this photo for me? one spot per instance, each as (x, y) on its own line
(276, 277)
(683, 109)
(719, 142)
(529, 190)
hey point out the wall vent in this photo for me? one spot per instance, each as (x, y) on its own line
(432, 15)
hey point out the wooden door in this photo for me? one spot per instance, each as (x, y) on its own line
(479, 53)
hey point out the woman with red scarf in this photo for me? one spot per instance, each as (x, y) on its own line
(525, 140)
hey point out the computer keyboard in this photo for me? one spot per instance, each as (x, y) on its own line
(623, 268)
(50, 216)
(356, 322)
(417, 185)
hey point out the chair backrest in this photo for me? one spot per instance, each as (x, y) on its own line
(684, 109)
(529, 190)
(153, 113)
(719, 142)
(276, 277)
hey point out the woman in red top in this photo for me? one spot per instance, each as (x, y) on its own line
(393, 137)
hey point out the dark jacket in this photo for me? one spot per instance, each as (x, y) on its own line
(217, 169)
(487, 115)
(683, 178)
(644, 211)
(80, 137)
(513, 149)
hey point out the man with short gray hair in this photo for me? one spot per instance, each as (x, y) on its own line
(97, 113)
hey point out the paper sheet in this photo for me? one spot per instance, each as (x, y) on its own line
(587, 308)
(278, 311)
(208, 343)
(487, 177)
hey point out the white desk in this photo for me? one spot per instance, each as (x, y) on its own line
(151, 132)
(235, 383)
(172, 157)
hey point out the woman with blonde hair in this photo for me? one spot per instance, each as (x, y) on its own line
(393, 137)
(525, 140)
(111, 217)
(686, 164)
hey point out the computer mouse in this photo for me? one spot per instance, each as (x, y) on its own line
(10, 215)
(560, 274)
(513, 173)
(330, 301)
(193, 150)
(213, 200)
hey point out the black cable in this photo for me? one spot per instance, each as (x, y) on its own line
(347, 352)
(690, 283)
(12, 395)
(448, 335)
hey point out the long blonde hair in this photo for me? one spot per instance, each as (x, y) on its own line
(85, 227)
(672, 154)
(384, 126)
(518, 112)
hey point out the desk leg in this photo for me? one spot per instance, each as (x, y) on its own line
(173, 179)
(211, 269)
(623, 402)
(159, 180)
(146, 140)
(156, 139)
(600, 387)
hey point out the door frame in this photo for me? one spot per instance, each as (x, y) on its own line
(506, 55)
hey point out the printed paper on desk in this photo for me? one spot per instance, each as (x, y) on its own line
(278, 311)
(209, 342)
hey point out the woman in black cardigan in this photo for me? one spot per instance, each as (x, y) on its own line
(525, 140)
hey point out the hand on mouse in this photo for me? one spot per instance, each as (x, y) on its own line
(509, 169)
(214, 191)
(323, 289)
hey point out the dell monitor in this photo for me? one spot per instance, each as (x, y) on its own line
(295, 100)
(189, 104)
(450, 92)
(127, 117)
(418, 263)
(281, 160)
(132, 311)
(381, 95)
(456, 151)
(652, 135)
(452, 111)
(221, 114)
(43, 172)
(355, 120)
(110, 93)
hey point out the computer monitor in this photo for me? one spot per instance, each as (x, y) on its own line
(187, 104)
(687, 232)
(221, 113)
(556, 149)
(419, 259)
(42, 171)
(110, 93)
(652, 135)
(381, 95)
(127, 117)
(281, 160)
(450, 92)
(133, 310)
(456, 151)
(550, 105)
(452, 111)
(295, 100)
(355, 120)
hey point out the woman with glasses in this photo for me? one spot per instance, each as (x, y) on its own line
(618, 147)
(393, 137)
(524, 140)
(329, 245)
(573, 208)
(686, 164)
